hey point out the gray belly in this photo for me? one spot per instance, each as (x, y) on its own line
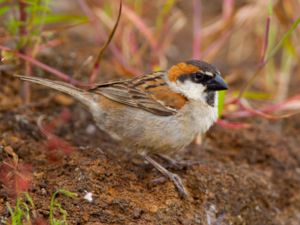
(142, 131)
(146, 132)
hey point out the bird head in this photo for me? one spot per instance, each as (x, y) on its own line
(196, 80)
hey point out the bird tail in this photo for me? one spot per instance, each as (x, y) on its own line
(81, 95)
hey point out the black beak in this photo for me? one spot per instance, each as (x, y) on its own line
(216, 84)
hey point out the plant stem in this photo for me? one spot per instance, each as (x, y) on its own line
(23, 28)
(104, 47)
(43, 66)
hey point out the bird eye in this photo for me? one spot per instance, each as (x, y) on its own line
(200, 78)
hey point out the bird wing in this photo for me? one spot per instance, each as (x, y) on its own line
(148, 92)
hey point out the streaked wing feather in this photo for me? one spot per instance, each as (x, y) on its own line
(140, 93)
(117, 94)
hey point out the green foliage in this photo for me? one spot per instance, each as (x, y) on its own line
(270, 8)
(284, 39)
(4, 10)
(30, 28)
(33, 10)
(286, 45)
(21, 212)
(255, 95)
(51, 18)
(163, 13)
(56, 206)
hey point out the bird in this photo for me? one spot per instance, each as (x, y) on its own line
(156, 113)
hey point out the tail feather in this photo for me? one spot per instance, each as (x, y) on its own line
(79, 94)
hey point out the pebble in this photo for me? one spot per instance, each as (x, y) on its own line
(137, 213)
(88, 196)
(90, 129)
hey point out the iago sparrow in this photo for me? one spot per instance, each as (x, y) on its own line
(157, 113)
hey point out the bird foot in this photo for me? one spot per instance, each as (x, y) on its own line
(172, 176)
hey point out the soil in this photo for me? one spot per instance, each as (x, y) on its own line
(237, 176)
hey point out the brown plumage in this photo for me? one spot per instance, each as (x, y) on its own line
(181, 69)
(149, 92)
(161, 112)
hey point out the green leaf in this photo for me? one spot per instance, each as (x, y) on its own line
(255, 95)
(107, 8)
(284, 38)
(270, 7)
(221, 101)
(21, 213)
(289, 47)
(63, 18)
(163, 12)
(3, 10)
(54, 204)
(13, 25)
(38, 9)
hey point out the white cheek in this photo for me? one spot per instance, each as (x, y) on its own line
(216, 99)
(191, 90)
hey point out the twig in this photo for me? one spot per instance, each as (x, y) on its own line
(115, 51)
(101, 52)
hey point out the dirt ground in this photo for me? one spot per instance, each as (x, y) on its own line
(238, 176)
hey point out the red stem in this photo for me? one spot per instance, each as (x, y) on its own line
(232, 125)
(228, 6)
(50, 44)
(43, 66)
(266, 41)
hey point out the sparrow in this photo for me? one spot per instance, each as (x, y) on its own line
(156, 113)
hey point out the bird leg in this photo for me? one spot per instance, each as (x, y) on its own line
(172, 176)
(179, 165)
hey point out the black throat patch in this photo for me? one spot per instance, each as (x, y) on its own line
(210, 98)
